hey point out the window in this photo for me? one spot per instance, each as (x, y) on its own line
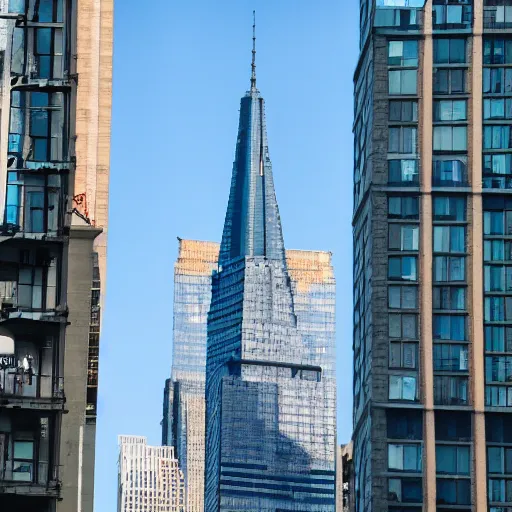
(449, 390)
(404, 457)
(449, 357)
(450, 138)
(449, 239)
(405, 490)
(402, 387)
(449, 208)
(494, 223)
(453, 492)
(402, 297)
(403, 172)
(449, 297)
(403, 326)
(453, 460)
(500, 108)
(403, 237)
(453, 426)
(43, 11)
(403, 355)
(498, 338)
(451, 14)
(449, 51)
(498, 369)
(497, 137)
(499, 459)
(404, 424)
(30, 287)
(498, 396)
(403, 53)
(498, 428)
(404, 111)
(49, 60)
(497, 250)
(449, 173)
(497, 51)
(498, 16)
(449, 269)
(500, 490)
(497, 309)
(497, 278)
(402, 268)
(450, 327)
(23, 461)
(449, 81)
(403, 81)
(403, 207)
(402, 140)
(497, 80)
(450, 110)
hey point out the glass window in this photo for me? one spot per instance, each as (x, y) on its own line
(450, 327)
(402, 268)
(404, 457)
(449, 357)
(497, 137)
(450, 138)
(449, 239)
(449, 297)
(499, 108)
(449, 51)
(450, 110)
(404, 111)
(403, 297)
(402, 387)
(453, 492)
(450, 390)
(403, 326)
(452, 459)
(402, 140)
(403, 237)
(449, 268)
(449, 81)
(403, 53)
(405, 490)
(497, 80)
(403, 207)
(449, 208)
(403, 172)
(449, 173)
(497, 51)
(403, 355)
(494, 223)
(403, 81)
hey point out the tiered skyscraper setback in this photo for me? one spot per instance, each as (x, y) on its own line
(149, 477)
(183, 425)
(270, 407)
(432, 258)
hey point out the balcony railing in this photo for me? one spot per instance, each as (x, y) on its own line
(30, 473)
(497, 182)
(19, 383)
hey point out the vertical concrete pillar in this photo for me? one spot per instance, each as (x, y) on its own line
(426, 264)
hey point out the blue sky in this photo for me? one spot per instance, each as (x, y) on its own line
(180, 68)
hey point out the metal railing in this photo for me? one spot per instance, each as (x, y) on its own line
(20, 383)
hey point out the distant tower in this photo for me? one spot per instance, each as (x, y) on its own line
(270, 408)
(149, 478)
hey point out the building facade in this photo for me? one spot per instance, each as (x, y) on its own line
(432, 184)
(270, 412)
(149, 478)
(183, 425)
(55, 93)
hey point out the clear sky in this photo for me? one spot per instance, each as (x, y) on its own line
(180, 68)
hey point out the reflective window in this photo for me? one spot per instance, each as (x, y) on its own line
(449, 51)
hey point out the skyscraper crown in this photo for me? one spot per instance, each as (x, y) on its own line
(252, 226)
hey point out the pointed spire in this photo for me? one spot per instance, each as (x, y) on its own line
(253, 65)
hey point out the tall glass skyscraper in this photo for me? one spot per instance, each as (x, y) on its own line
(432, 256)
(313, 289)
(270, 407)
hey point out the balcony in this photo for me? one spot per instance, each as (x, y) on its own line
(498, 17)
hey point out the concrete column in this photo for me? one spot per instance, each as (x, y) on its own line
(76, 351)
(426, 264)
(476, 281)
